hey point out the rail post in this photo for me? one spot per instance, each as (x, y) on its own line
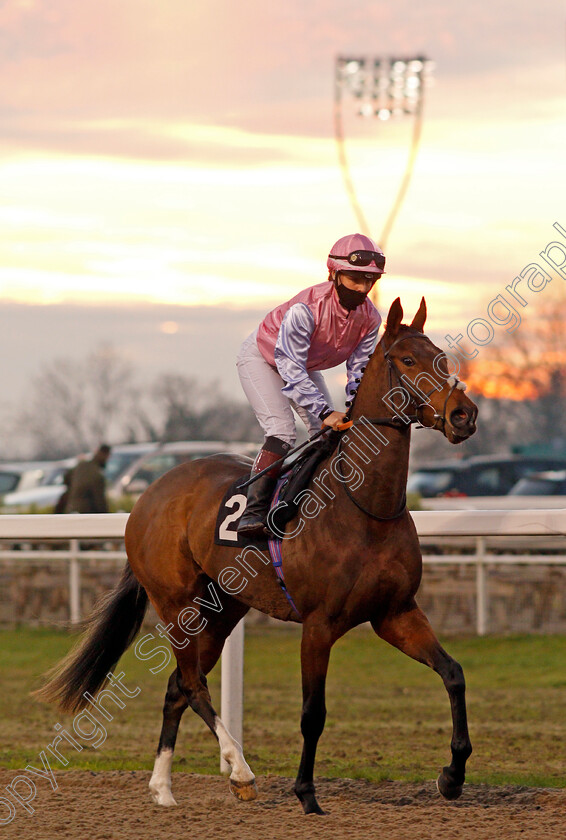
(232, 687)
(75, 582)
(481, 588)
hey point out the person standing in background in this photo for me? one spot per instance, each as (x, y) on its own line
(61, 505)
(87, 490)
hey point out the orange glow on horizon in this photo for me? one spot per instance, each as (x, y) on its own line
(503, 380)
(501, 389)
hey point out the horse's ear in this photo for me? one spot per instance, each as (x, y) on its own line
(418, 321)
(394, 317)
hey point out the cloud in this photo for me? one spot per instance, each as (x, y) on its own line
(186, 151)
(135, 140)
(262, 67)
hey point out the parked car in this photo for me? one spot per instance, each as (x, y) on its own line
(52, 486)
(20, 475)
(37, 498)
(492, 475)
(9, 480)
(551, 483)
(123, 455)
(147, 469)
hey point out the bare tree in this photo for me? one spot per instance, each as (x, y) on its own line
(75, 404)
(191, 413)
(109, 379)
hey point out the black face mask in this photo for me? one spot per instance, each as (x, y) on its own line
(349, 298)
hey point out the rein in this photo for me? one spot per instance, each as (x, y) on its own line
(396, 422)
(383, 421)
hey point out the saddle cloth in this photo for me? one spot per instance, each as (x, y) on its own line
(290, 484)
(229, 514)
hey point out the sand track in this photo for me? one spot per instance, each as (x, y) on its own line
(116, 806)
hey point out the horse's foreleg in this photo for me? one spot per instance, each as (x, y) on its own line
(411, 632)
(173, 708)
(315, 653)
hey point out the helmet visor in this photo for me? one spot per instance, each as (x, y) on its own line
(361, 259)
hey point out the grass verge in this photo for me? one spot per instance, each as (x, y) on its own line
(388, 717)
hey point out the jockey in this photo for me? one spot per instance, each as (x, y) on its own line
(279, 364)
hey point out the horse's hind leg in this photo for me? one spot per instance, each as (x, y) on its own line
(193, 684)
(210, 643)
(173, 708)
(411, 632)
(242, 780)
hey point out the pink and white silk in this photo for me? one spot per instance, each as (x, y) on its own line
(313, 332)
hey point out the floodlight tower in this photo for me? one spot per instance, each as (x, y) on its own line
(384, 88)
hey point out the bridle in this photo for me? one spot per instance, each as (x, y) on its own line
(415, 395)
(416, 398)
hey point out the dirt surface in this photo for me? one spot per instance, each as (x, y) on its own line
(117, 806)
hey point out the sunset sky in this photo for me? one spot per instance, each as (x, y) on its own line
(182, 153)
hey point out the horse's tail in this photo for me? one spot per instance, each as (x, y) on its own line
(111, 628)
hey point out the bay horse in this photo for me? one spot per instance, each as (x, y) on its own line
(358, 560)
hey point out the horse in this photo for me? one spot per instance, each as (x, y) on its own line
(357, 560)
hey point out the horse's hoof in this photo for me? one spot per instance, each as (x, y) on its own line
(162, 797)
(314, 809)
(244, 791)
(448, 789)
(309, 803)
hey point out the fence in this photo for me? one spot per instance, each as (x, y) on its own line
(467, 529)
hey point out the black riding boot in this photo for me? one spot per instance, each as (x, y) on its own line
(252, 524)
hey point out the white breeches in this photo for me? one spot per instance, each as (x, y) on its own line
(262, 386)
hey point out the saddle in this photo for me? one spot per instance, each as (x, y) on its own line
(290, 484)
(298, 477)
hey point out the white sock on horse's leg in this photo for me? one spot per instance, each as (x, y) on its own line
(232, 752)
(160, 782)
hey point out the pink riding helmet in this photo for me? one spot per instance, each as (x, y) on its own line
(346, 247)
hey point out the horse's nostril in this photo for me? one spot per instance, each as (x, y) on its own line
(459, 417)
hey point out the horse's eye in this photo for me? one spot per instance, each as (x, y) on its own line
(408, 361)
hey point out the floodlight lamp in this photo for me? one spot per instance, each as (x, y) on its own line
(384, 113)
(398, 66)
(365, 110)
(416, 65)
(353, 66)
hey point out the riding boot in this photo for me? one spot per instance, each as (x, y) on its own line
(253, 522)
